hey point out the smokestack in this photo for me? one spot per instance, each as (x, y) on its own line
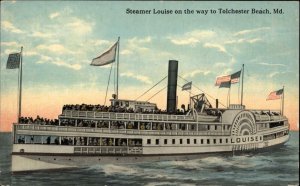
(172, 86)
(217, 103)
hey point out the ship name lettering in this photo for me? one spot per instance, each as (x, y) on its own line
(244, 139)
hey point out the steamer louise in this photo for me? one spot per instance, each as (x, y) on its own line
(130, 131)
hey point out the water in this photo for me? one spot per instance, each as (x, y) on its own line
(277, 167)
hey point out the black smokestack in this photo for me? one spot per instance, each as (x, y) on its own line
(172, 86)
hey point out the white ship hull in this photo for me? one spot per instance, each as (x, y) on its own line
(62, 158)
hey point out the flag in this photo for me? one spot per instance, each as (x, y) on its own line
(222, 79)
(235, 77)
(187, 86)
(226, 84)
(225, 81)
(13, 61)
(107, 57)
(275, 95)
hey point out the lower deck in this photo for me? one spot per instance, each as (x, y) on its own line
(57, 157)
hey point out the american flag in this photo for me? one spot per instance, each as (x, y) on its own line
(222, 79)
(275, 95)
(229, 79)
(13, 61)
(235, 77)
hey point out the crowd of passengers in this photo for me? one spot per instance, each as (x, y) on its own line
(38, 120)
(116, 108)
(83, 141)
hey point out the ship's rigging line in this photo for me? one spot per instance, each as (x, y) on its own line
(108, 83)
(150, 89)
(201, 90)
(157, 93)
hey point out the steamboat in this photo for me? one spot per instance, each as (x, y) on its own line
(131, 131)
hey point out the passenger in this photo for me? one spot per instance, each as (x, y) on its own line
(110, 142)
(56, 141)
(48, 139)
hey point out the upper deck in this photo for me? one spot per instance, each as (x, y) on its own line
(260, 116)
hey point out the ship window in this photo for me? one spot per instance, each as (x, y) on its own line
(157, 141)
(216, 127)
(224, 127)
(173, 141)
(208, 127)
(215, 141)
(228, 127)
(207, 141)
(180, 141)
(220, 140)
(226, 140)
(166, 141)
(201, 141)
(148, 141)
(188, 141)
(195, 141)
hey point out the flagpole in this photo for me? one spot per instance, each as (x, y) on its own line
(20, 85)
(118, 68)
(282, 99)
(242, 92)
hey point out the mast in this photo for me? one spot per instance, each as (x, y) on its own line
(242, 92)
(20, 85)
(282, 100)
(117, 95)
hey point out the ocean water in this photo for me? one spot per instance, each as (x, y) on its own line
(277, 167)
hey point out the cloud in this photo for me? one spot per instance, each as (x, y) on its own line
(126, 52)
(238, 41)
(55, 48)
(8, 26)
(273, 74)
(195, 72)
(244, 32)
(219, 47)
(141, 78)
(30, 53)
(58, 62)
(100, 42)
(80, 26)
(54, 15)
(10, 44)
(64, 64)
(192, 38)
(136, 44)
(41, 35)
(271, 64)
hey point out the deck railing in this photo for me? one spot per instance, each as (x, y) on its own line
(35, 127)
(126, 116)
(108, 150)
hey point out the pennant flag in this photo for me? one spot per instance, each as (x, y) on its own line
(235, 77)
(275, 95)
(13, 61)
(187, 86)
(107, 57)
(225, 84)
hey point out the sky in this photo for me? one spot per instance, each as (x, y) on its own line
(61, 38)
